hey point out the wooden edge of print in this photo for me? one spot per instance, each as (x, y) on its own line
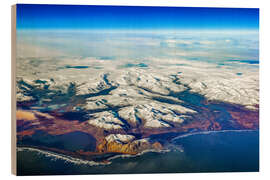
(13, 91)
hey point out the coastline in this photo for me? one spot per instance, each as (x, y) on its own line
(76, 160)
(61, 156)
(215, 155)
(209, 132)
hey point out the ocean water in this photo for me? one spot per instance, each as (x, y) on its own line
(228, 151)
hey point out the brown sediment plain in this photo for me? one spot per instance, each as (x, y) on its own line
(29, 122)
(89, 112)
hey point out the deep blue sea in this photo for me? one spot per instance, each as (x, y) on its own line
(229, 151)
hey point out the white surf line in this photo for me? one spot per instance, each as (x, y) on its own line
(139, 154)
(65, 158)
(209, 132)
(80, 161)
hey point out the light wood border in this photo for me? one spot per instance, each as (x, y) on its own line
(13, 90)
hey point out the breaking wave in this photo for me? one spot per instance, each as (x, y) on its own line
(139, 154)
(67, 159)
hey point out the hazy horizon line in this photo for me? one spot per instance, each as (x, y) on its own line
(120, 30)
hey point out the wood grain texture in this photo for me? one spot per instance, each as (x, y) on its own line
(13, 89)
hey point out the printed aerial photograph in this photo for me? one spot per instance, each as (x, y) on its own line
(136, 89)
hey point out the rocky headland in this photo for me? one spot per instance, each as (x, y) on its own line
(128, 110)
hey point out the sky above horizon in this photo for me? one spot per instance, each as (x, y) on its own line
(82, 17)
